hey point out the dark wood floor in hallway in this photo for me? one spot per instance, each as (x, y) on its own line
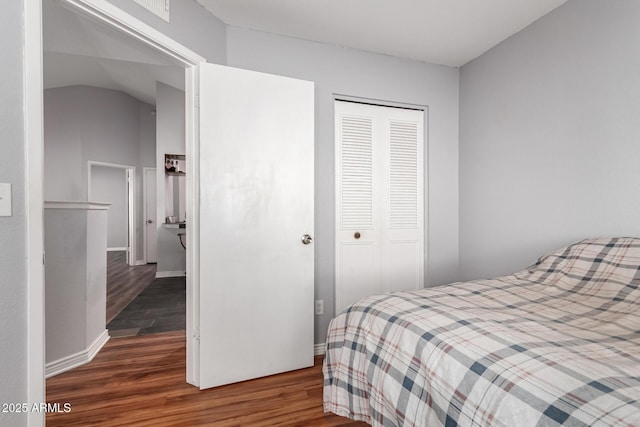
(140, 381)
(124, 282)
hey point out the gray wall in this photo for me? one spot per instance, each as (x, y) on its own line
(357, 73)
(83, 123)
(109, 185)
(13, 269)
(549, 135)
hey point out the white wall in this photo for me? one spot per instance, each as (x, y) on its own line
(345, 71)
(549, 135)
(109, 185)
(13, 269)
(83, 123)
(170, 137)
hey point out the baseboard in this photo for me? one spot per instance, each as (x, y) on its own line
(116, 249)
(78, 359)
(161, 274)
(318, 349)
(139, 262)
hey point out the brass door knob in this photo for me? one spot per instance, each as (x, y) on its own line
(356, 235)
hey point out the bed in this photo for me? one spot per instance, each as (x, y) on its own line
(555, 344)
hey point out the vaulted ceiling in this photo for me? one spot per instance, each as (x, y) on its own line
(79, 52)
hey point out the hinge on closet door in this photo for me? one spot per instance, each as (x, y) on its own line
(196, 334)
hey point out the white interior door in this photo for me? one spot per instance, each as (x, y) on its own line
(379, 200)
(151, 226)
(256, 203)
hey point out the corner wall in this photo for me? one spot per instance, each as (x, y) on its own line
(336, 70)
(549, 135)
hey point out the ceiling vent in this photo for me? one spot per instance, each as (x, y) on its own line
(159, 7)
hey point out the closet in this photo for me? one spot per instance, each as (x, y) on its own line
(379, 200)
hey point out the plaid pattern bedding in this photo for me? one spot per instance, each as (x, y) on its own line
(555, 344)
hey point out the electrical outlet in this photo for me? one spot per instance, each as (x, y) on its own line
(319, 306)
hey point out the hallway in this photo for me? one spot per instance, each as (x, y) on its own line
(124, 282)
(140, 304)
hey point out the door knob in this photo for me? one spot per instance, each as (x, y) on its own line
(149, 221)
(356, 235)
(306, 239)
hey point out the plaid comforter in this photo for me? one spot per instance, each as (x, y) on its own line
(555, 344)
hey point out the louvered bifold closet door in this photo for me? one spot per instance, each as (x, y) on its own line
(358, 259)
(379, 200)
(403, 237)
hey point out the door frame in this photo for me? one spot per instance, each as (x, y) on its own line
(130, 171)
(425, 177)
(104, 13)
(144, 211)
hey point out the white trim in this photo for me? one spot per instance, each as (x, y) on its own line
(141, 262)
(379, 102)
(116, 250)
(78, 359)
(76, 205)
(177, 273)
(319, 349)
(192, 154)
(110, 165)
(130, 177)
(144, 210)
(34, 214)
(106, 13)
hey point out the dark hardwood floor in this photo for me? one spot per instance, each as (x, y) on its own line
(140, 381)
(160, 307)
(124, 282)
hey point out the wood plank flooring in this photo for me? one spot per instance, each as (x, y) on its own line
(140, 381)
(124, 282)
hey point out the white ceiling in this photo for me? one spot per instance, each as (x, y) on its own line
(447, 32)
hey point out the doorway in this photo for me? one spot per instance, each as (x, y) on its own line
(104, 116)
(135, 32)
(115, 184)
(150, 239)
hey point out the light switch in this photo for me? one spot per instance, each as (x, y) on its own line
(5, 199)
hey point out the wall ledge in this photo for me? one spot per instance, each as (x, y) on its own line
(76, 205)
